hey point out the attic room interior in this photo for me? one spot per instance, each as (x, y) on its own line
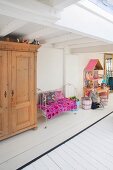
(56, 84)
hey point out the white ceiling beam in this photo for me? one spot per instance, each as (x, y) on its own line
(88, 44)
(61, 4)
(81, 45)
(30, 11)
(11, 27)
(74, 42)
(31, 6)
(63, 38)
(41, 33)
(93, 49)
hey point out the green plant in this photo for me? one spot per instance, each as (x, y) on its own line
(74, 98)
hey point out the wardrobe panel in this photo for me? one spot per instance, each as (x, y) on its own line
(3, 94)
(22, 75)
(0, 79)
(23, 90)
(1, 122)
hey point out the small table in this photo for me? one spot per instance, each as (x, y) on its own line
(103, 90)
(99, 90)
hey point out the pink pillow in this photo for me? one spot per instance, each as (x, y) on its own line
(59, 95)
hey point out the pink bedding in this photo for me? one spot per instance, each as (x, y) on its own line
(57, 107)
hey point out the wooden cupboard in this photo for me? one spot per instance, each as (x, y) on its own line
(17, 88)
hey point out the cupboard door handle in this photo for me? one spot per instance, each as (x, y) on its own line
(12, 93)
(5, 94)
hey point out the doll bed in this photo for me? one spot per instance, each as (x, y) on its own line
(57, 107)
(53, 103)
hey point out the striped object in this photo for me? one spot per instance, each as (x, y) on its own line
(104, 98)
(86, 103)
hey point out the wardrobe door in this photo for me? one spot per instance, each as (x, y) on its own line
(3, 94)
(23, 90)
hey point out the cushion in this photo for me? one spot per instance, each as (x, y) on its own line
(46, 97)
(58, 95)
(50, 97)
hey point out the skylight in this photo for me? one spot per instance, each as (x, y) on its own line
(103, 8)
(107, 5)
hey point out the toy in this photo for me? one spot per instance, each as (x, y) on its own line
(92, 76)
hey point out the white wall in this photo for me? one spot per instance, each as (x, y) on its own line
(74, 66)
(49, 68)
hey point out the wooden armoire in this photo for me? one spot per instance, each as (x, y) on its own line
(17, 88)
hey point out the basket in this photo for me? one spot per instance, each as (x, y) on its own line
(86, 103)
(104, 100)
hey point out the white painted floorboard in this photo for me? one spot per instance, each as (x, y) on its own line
(90, 150)
(20, 149)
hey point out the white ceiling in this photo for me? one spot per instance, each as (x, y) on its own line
(34, 19)
(4, 20)
(47, 2)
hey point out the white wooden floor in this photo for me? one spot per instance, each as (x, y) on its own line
(92, 149)
(20, 149)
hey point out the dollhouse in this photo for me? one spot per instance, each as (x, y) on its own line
(93, 75)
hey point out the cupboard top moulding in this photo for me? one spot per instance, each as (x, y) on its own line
(9, 46)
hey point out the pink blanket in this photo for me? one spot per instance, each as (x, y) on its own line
(57, 107)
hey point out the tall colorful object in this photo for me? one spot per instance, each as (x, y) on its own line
(92, 76)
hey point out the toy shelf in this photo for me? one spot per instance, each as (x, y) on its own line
(92, 76)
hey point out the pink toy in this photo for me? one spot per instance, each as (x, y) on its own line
(60, 104)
